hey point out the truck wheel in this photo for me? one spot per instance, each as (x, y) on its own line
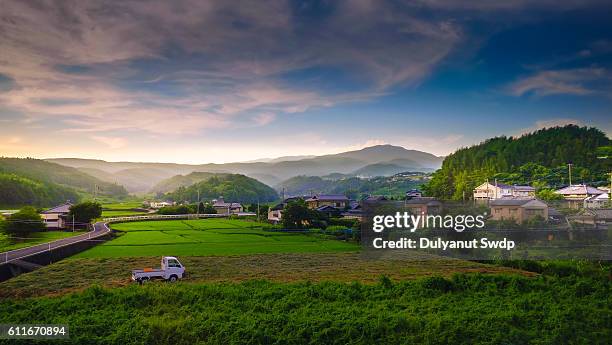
(172, 278)
(143, 281)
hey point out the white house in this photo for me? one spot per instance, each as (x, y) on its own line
(56, 217)
(158, 205)
(597, 201)
(275, 214)
(488, 191)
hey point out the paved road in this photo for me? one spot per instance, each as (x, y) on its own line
(100, 229)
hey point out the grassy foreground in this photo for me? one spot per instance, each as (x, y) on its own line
(208, 237)
(77, 274)
(465, 309)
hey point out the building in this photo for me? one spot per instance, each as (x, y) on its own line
(337, 201)
(414, 193)
(598, 201)
(354, 212)
(488, 191)
(518, 209)
(329, 211)
(223, 207)
(275, 214)
(55, 218)
(576, 194)
(423, 205)
(158, 205)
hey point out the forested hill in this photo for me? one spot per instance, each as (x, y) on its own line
(16, 191)
(232, 187)
(539, 158)
(49, 174)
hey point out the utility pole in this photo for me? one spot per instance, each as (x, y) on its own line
(569, 168)
(257, 208)
(73, 223)
(198, 212)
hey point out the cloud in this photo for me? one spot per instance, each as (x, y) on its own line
(111, 142)
(578, 81)
(186, 66)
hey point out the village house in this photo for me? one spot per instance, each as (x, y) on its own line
(158, 205)
(488, 191)
(223, 207)
(337, 201)
(55, 218)
(354, 211)
(275, 213)
(575, 195)
(423, 205)
(598, 201)
(518, 210)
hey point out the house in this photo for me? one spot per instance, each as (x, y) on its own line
(329, 211)
(337, 201)
(275, 213)
(223, 207)
(414, 193)
(55, 218)
(488, 191)
(423, 205)
(354, 211)
(598, 201)
(518, 209)
(158, 205)
(600, 216)
(575, 195)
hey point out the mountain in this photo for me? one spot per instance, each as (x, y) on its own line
(538, 158)
(232, 187)
(270, 172)
(174, 182)
(382, 169)
(353, 187)
(16, 191)
(51, 173)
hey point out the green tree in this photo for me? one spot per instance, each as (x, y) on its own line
(297, 215)
(25, 221)
(85, 212)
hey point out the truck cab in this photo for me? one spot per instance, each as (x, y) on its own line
(171, 270)
(172, 267)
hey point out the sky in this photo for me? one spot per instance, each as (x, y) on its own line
(223, 81)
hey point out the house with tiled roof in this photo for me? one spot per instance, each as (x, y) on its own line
(518, 209)
(575, 194)
(497, 190)
(223, 207)
(55, 217)
(336, 200)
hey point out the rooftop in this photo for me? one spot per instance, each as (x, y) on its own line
(63, 208)
(579, 189)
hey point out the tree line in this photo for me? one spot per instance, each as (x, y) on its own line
(539, 159)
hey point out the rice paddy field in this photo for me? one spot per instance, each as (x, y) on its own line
(122, 209)
(209, 237)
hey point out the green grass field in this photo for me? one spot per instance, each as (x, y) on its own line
(122, 209)
(7, 243)
(209, 237)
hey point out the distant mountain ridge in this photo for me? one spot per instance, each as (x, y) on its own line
(396, 158)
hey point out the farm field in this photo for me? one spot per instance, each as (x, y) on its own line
(7, 244)
(206, 237)
(122, 209)
(76, 274)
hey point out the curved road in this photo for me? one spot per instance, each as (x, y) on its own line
(100, 229)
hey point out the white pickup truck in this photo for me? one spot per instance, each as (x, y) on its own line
(171, 270)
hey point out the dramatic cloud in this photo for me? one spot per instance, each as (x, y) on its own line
(184, 66)
(579, 81)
